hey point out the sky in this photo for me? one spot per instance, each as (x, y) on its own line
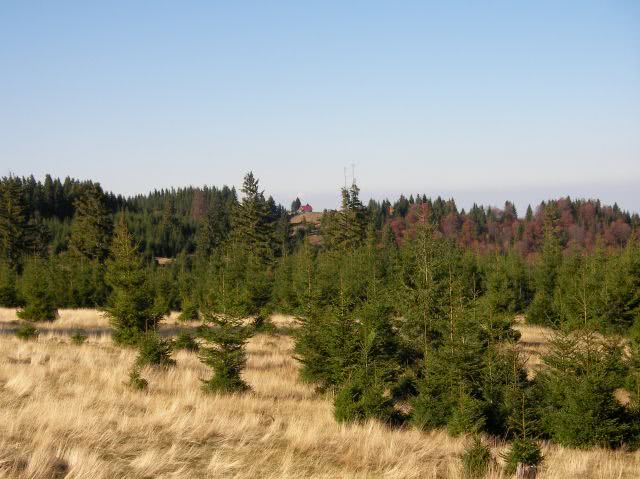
(479, 101)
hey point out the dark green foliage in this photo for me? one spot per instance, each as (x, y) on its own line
(190, 311)
(164, 283)
(476, 459)
(78, 337)
(132, 308)
(223, 351)
(15, 233)
(632, 381)
(600, 290)
(154, 351)
(212, 231)
(79, 283)
(468, 416)
(467, 369)
(423, 287)
(582, 374)
(27, 331)
(522, 451)
(8, 290)
(349, 326)
(186, 341)
(252, 222)
(542, 309)
(507, 284)
(522, 403)
(91, 226)
(405, 386)
(351, 219)
(362, 398)
(38, 291)
(136, 381)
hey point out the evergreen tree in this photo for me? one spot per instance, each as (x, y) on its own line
(529, 215)
(580, 298)
(224, 334)
(252, 227)
(14, 225)
(422, 289)
(92, 225)
(131, 308)
(351, 220)
(154, 351)
(623, 279)
(542, 310)
(507, 284)
(582, 372)
(8, 291)
(467, 367)
(38, 291)
(211, 232)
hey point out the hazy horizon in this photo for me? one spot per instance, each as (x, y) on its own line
(483, 103)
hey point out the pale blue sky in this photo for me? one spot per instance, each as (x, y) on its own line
(478, 100)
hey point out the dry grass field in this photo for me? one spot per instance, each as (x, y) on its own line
(65, 411)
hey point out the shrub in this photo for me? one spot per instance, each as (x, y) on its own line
(523, 451)
(405, 387)
(186, 341)
(27, 331)
(476, 459)
(224, 352)
(361, 399)
(154, 351)
(8, 291)
(468, 416)
(136, 381)
(132, 309)
(37, 286)
(190, 311)
(583, 371)
(78, 337)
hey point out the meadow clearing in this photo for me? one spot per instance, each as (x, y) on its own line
(66, 411)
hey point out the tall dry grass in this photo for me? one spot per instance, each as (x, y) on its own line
(65, 411)
(89, 319)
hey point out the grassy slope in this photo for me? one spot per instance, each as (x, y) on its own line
(66, 412)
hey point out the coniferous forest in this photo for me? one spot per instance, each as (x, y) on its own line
(406, 310)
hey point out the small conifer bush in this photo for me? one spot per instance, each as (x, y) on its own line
(78, 337)
(476, 459)
(190, 311)
(361, 399)
(467, 417)
(224, 352)
(154, 351)
(186, 341)
(523, 451)
(136, 381)
(27, 331)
